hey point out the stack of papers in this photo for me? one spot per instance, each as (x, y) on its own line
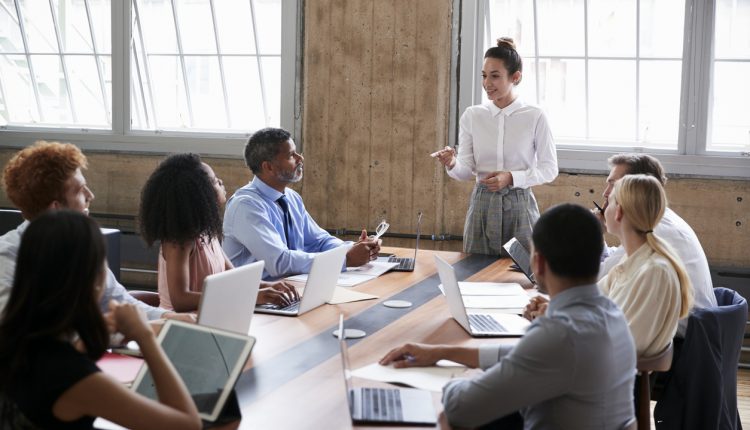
(501, 296)
(431, 378)
(355, 275)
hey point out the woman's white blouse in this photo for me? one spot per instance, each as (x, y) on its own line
(515, 139)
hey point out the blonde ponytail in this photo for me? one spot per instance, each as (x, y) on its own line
(660, 246)
(643, 201)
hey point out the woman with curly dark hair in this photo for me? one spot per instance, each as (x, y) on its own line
(52, 332)
(180, 206)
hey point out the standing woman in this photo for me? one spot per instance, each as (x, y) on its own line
(180, 206)
(52, 332)
(506, 146)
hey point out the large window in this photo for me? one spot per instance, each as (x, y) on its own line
(664, 76)
(138, 73)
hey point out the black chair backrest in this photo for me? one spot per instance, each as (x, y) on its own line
(9, 219)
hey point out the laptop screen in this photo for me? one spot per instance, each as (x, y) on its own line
(419, 233)
(520, 256)
(208, 360)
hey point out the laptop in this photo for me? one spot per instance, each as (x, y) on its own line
(320, 286)
(208, 360)
(476, 324)
(406, 264)
(521, 257)
(229, 297)
(371, 405)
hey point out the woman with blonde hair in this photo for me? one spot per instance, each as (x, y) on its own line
(650, 283)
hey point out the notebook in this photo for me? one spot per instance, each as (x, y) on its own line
(228, 298)
(476, 324)
(208, 360)
(370, 405)
(320, 286)
(406, 264)
(521, 257)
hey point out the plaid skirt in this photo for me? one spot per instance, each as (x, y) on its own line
(496, 217)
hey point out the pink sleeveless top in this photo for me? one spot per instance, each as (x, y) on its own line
(206, 259)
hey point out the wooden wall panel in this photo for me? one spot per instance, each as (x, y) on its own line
(389, 74)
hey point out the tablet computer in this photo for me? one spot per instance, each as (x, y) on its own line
(208, 360)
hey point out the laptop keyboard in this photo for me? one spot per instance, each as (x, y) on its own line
(289, 308)
(482, 323)
(404, 263)
(381, 404)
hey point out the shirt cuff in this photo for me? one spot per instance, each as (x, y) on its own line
(519, 178)
(490, 354)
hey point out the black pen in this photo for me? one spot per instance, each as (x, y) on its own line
(599, 208)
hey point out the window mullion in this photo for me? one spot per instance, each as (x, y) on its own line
(99, 72)
(56, 26)
(536, 53)
(182, 62)
(221, 64)
(586, 64)
(704, 75)
(146, 68)
(638, 73)
(120, 17)
(260, 67)
(29, 64)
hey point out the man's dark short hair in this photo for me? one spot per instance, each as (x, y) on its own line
(640, 164)
(262, 146)
(570, 238)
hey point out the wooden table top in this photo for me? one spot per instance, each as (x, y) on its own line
(294, 377)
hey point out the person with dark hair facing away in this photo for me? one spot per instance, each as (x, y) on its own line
(180, 205)
(52, 332)
(505, 146)
(267, 221)
(49, 176)
(575, 366)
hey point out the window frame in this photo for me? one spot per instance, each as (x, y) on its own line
(121, 138)
(691, 157)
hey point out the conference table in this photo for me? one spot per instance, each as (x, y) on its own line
(294, 377)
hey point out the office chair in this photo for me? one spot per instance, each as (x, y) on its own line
(701, 388)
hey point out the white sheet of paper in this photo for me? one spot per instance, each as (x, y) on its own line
(373, 268)
(354, 275)
(491, 289)
(426, 378)
(343, 295)
(496, 302)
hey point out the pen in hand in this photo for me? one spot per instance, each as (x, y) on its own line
(599, 208)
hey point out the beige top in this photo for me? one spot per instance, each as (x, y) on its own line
(206, 259)
(647, 289)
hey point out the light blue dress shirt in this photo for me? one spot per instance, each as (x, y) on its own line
(573, 369)
(113, 290)
(254, 230)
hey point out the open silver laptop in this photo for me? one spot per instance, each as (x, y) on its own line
(320, 286)
(208, 360)
(521, 257)
(228, 298)
(384, 405)
(476, 324)
(406, 264)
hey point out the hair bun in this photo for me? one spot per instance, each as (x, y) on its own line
(506, 42)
